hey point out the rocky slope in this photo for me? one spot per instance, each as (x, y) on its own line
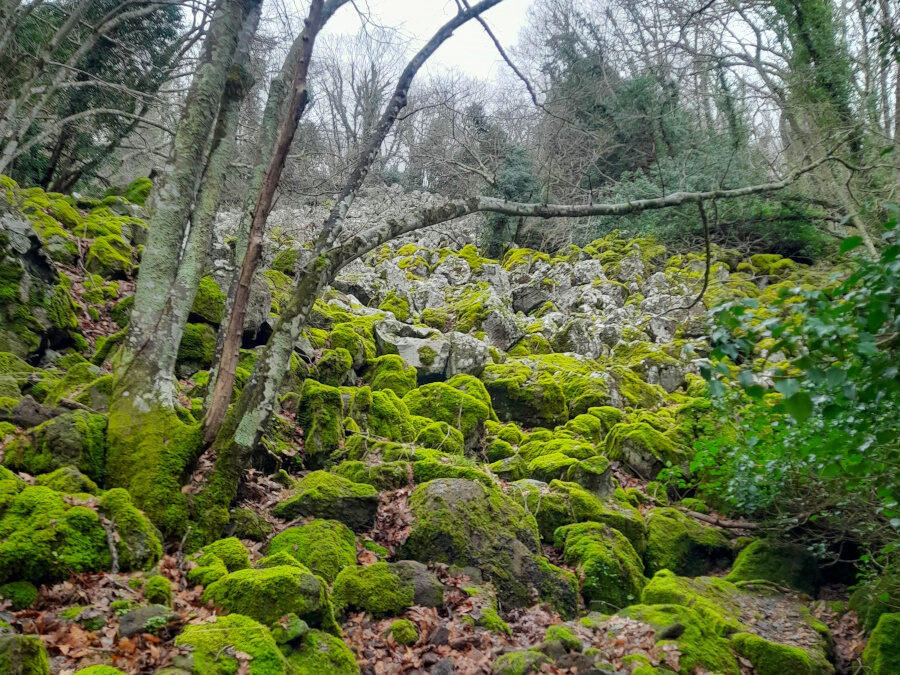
(461, 478)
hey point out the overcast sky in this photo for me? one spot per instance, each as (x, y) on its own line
(469, 49)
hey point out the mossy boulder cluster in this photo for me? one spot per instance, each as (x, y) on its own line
(496, 403)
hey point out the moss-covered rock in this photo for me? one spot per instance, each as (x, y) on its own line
(465, 523)
(158, 590)
(110, 257)
(68, 479)
(138, 542)
(245, 523)
(594, 474)
(324, 546)
(197, 348)
(99, 670)
(20, 594)
(74, 439)
(382, 414)
(391, 372)
(875, 597)
(519, 662)
(375, 589)
(771, 658)
(611, 571)
(525, 396)
(642, 448)
(333, 367)
(216, 645)
(882, 654)
(319, 414)
(699, 644)
(23, 655)
(441, 436)
(787, 564)
(681, 544)
(270, 593)
(230, 551)
(443, 403)
(325, 495)
(318, 653)
(209, 303)
(404, 632)
(713, 598)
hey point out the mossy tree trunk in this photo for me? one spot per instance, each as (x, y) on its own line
(287, 102)
(149, 447)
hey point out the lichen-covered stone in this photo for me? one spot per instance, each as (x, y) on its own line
(782, 563)
(324, 546)
(465, 523)
(245, 523)
(268, 594)
(594, 474)
(611, 571)
(681, 544)
(325, 495)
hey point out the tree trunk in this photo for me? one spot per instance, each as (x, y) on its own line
(295, 71)
(143, 402)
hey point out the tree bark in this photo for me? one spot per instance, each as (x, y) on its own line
(295, 71)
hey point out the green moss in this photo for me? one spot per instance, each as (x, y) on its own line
(521, 395)
(138, 544)
(786, 564)
(876, 597)
(771, 658)
(498, 450)
(882, 654)
(426, 355)
(44, 539)
(565, 635)
(158, 591)
(268, 594)
(679, 543)
(319, 415)
(321, 653)
(375, 589)
(404, 632)
(110, 257)
(611, 571)
(209, 303)
(333, 367)
(324, 546)
(698, 643)
(519, 663)
(712, 598)
(491, 621)
(20, 594)
(643, 448)
(138, 190)
(231, 552)
(209, 568)
(356, 337)
(441, 436)
(551, 466)
(324, 495)
(68, 479)
(99, 670)
(23, 654)
(148, 453)
(381, 414)
(245, 523)
(394, 303)
(391, 372)
(216, 644)
(535, 343)
(286, 261)
(443, 403)
(197, 347)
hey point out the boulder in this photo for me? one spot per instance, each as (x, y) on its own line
(423, 348)
(462, 522)
(324, 546)
(882, 654)
(386, 589)
(779, 562)
(468, 355)
(324, 495)
(23, 655)
(679, 543)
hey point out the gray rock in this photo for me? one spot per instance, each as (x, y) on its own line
(587, 271)
(424, 348)
(528, 298)
(455, 270)
(501, 328)
(468, 355)
(427, 590)
(136, 620)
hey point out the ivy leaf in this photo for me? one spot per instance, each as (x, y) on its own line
(850, 243)
(787, 387)
(799, 406)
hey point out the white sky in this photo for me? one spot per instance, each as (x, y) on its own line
(469, 50)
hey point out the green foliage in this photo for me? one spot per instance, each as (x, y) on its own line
(822, 443)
